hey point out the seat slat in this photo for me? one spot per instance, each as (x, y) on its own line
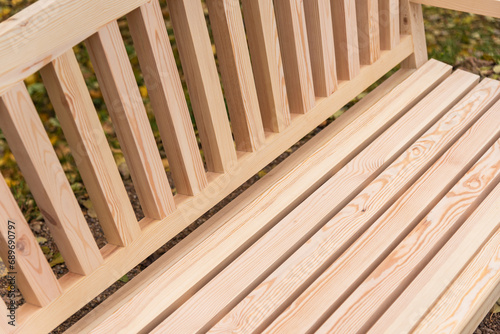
(237, 76)
(321, 298)
(262, 34)
(38, 161)
(34, 278)
(83, 131)
(167, 97)
(412, 305)
(346, 39)
(127, 111)
(198, 63)
(389, 24)
(368, 31)
(291, 22)
(380, 289)
(318, 15)
(264, 256)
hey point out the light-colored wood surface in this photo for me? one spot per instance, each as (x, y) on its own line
(368, 30)
(83, 131)
(284, 238)
(389, 23)
(412, 23)
(4, 326)
(319, 23)
(236, 71)
(380, 289)
(480, 7)
(292, 30)
(345, 31)
(34, 277)
(156, 233)
(40, 166)
(168, 101)
(334, 284)
(127, 111)
(204, 87)
(265, 50)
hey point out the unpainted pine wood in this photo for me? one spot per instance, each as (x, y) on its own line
(468, 299)
(119, 260)
(270, 296)
(5, 327)
(480, 7)
(222, 293)
(195, 51)
(293, 38)
(412, 23)
(318, 15)
(127, 111)
(34, 277)
(380, 289)
(40, 33)
(76, 113)
(440, 273)
(168, 101)
(346, 39)
(267, 65)
(272, 203)
(368, 31)
(40, 166)
(236, 70)
(389, 21)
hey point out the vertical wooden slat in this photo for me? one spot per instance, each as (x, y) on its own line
(76, 113)
(267, 65)
(368, 31)
(126, 108)
(389, 23)
(41, 168)
(295, 52)
(412, 23)
(321, 45)
(198, 63)
(34, 276)
(167, 97)
(236, 71)
(346, 39)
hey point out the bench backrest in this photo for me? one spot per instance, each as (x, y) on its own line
(285, 66)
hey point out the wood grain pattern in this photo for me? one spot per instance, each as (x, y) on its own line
(318, 15)
(222, 293)
(380, 289)
(291, 22)
(34, 276)
(126, 108)
(323, 296)
(480, 7)
(217, 249)
(368, 31)
(389, 23)
(119, 261)
(346, 38)
(83, 131)
(168, 101)
(412, 23)
(442, 270)
(262, 34)
(35, 155)
(198, 63)
(236, 71)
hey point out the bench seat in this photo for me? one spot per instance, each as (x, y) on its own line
(394, 227)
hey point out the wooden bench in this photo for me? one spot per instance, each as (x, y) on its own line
(387, 221)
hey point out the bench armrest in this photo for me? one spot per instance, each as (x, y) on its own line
(481, 7)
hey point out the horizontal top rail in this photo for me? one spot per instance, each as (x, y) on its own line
(480, 7)
(45, 30)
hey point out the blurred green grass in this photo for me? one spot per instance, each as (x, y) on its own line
(460, 39)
